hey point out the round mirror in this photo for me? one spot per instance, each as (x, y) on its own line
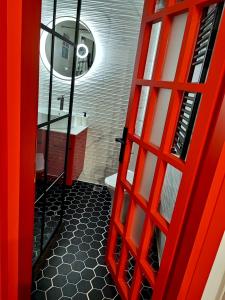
(63, 49)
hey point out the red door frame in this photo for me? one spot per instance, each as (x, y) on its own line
(20, 35)
(212, 98)
(208, 238)
(3, 156)
(206, 173)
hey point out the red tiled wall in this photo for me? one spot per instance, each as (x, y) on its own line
(80, 145)
(57, 147)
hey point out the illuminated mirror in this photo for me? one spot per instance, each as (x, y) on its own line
(63, 53)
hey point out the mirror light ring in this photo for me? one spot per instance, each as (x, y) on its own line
(86, 51)
(43, 56)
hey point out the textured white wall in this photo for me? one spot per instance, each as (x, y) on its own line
(104, 92)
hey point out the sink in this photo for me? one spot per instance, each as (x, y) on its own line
(78, 120)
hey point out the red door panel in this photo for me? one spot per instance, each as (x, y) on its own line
(174, 96)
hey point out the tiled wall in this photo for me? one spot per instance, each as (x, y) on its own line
(104, 92)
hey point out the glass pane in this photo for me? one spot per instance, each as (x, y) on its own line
(146, 290)
(160, 116)
(161, 241)
(132, 163)
(52, 212)
(147, 175)
(141, 109)
(40, 161)
(118, 247)
(169, 192)
(174, 46)
(40, 188)
(153, 44)
(44, 80)
(57, 149)
(152, 256)
(66, 27)
(47, 12)
(160, 4)
(63, 60)
(124, 209)
(37, 230)
(137, 225)
(129, 271)
(60, 99)
(197, 72)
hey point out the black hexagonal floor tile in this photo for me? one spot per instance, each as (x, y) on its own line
(75, 269)
(44, 284)
(95, 294)
(101, 260)
(98, 282)
(54, 293)
(68, 258)
(93, 253)
(69, 290)
(81, 255)
(84, 286)
(63, 242)
(64, 269)
(38, 295)
(95, 245)
(72, 249)
(80, 296)
(59, 251)
(59, 280)
(101, 271)
(78, 265)
(84, 247)
(87, 274)
(109, 291)
(90, 262)
(74, 277)
(55, 261)
(87, 238)
(50, 272)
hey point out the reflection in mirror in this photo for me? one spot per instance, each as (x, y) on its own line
(63, 53)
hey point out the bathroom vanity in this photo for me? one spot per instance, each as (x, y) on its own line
(57, 146)
(76, 155)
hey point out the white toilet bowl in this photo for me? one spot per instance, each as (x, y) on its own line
(110, 182)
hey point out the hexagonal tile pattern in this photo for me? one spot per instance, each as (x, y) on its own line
(59, 280)
(75, 268)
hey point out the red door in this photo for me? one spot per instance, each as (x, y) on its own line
(173, 106)
(205, 272)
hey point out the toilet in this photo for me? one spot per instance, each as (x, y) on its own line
(110, 182)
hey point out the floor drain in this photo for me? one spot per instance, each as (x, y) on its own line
(97, 188)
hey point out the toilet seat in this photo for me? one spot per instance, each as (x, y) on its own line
(110, 181)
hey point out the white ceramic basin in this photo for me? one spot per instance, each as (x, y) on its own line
(78, 124)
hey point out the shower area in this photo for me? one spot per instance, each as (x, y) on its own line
(54, 127)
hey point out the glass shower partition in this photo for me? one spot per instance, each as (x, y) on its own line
(53, 131)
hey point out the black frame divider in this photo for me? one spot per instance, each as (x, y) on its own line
(76, 37)
(48, 128)
(47, 124)
(52, 121)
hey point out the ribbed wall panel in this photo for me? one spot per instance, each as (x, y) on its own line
(104, 91)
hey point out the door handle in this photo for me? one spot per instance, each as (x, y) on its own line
(122, 141)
